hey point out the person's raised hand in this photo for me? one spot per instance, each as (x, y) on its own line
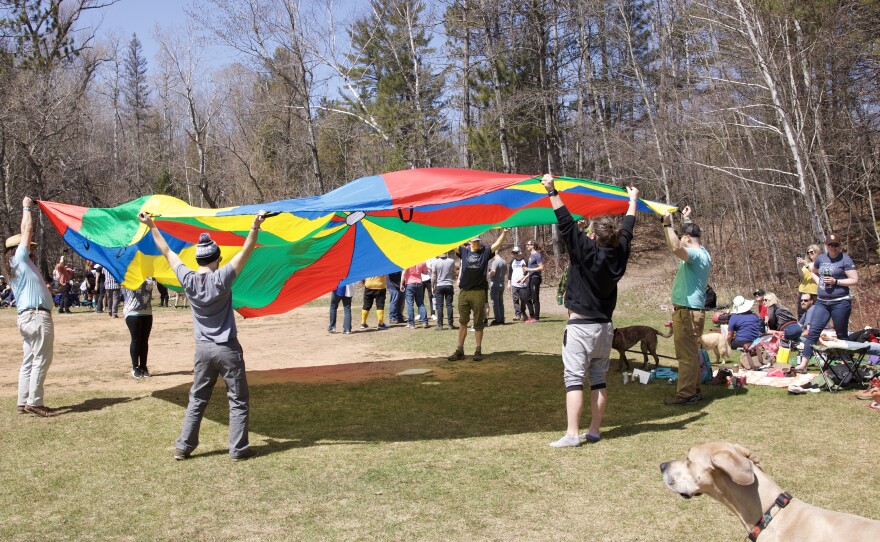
(145, 218)
(547, 182)
(633, 193)
(261, 216)
(27, 202)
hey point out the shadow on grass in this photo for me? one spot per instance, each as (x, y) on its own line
(509, 393)
(92, 405)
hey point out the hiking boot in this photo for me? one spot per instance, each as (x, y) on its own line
(683, 401)
(457, 355)
(244, 455)
(41, 411)
(567, 441)
(180, 455)
(478, 355)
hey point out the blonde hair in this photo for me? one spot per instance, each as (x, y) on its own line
(770, 299)
(816, 251)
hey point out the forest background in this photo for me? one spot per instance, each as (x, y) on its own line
(763, 115)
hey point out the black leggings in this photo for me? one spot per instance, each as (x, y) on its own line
(139, 327)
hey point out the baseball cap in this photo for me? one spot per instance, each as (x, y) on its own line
(760, 291)
(475, 239)
(690, 229)
(833, 238)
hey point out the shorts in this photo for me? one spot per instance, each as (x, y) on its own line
(370, 294)
(472, 300)
(586, 350)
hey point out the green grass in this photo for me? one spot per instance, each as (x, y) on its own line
(458, 454)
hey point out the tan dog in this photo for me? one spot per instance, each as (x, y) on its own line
(626, 337)
(730, 474)
(715, 342)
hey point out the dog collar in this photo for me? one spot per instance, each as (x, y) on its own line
(781, 502)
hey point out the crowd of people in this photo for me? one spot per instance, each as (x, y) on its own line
(599, 250)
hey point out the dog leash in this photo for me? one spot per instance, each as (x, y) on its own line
(781, 502)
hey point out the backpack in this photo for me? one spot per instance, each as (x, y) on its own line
(705, 367)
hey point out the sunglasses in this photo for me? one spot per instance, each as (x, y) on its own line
(805, 300)
(834, 245)
(811, 252)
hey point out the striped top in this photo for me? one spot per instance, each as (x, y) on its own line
(109, 282)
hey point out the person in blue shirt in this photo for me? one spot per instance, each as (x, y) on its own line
(689, 300)
(743, 328)
(34, 305)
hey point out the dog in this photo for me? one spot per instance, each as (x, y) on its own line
(626, 337)
(715, 342)
(730, 474)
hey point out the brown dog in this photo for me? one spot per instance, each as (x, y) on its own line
(730, 474)
(626, 337)
(715, 342)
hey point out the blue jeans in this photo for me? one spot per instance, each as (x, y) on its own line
(836, 311)
(346, 312)
(443, 295)
(415, 293)
(496, 294)
(394, 306)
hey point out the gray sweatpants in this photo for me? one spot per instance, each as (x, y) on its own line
(586, 349)
(226, 360)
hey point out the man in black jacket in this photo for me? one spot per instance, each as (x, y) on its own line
(598, 259)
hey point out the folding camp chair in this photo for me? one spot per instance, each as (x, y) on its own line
(841, 364)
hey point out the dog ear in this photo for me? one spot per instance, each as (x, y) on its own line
(736, 462)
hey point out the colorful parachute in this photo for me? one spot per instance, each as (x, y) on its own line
(372, 226)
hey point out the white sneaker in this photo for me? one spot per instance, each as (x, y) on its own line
(566, 441)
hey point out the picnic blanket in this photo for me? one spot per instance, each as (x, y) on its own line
(760, 378)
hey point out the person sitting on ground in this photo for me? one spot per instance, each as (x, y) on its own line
(760, 305)
(743, 328)
(806, 307)
(711, 298)
(779, 318)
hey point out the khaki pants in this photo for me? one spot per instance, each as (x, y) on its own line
(38, 334)
(687, 326)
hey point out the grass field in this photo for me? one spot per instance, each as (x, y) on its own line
(458, 454)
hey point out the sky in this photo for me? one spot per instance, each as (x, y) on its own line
(139, 17)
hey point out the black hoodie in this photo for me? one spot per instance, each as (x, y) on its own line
(594, 271)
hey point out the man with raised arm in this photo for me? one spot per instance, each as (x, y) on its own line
(598, 261)
(689, 301)
(209, 290)
(474, 293)
(34, 304)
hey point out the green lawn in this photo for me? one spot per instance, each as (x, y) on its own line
(458, 454)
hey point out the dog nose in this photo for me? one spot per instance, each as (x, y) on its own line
(663, 466)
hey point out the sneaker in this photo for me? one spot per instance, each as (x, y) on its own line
(382, 326)
(531, 321)
(682, 401)
(410, 326)
(180, 455)
(427, 325)
(457, 355)
(346, 332)
(434, 317)
(567, 441)
(244, 455)
(145, 372)
(590, 437)
(438, 328)
(478, 355)
(331, 330)
(471, 328)
(453, 326)
(41, 411)
(136, 373)
(874, 405)
(364, 326)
